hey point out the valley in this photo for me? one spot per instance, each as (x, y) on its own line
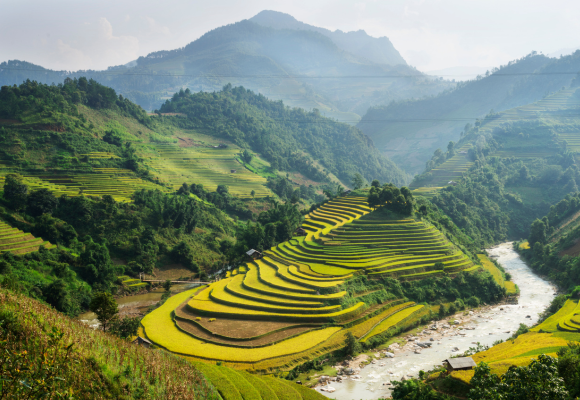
(282, 210)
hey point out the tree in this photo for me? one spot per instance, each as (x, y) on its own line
(247, 156)
(40, 202)
(56, 294)
(358, 181)
(253, 193)
(98, 265)
(352, 346)
(375, 183)
(167, 285)
(113, 138)
(124, 327)
(105, 307)
(15, 192)
(538, 381)
(223, 189)
(537, 232)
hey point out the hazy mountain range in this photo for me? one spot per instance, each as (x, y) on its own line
(341, 74)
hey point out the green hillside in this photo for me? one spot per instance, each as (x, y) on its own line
(508, 169)
(271, 129)
(410, 131)
(47, 353)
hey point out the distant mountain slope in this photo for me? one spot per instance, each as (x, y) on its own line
(409, 132)
(304, 68)
(377, 50)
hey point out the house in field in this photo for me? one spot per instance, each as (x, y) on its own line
(253, 254)
(142, 341)
(452, 183)
(300, 231)
(233, 171)
(459, 364)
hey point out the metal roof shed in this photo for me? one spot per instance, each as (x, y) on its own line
(455, 364)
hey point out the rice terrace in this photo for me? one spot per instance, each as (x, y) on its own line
(253, 206)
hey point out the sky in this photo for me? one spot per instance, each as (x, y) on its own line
(429, 34)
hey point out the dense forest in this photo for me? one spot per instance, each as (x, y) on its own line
(499, 197)
(290, 138)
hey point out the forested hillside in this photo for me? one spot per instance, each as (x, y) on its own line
(508, 169)
(304, 68)
(410, 131)
(290, 139)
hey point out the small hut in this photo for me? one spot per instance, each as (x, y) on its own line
(143, 342)
(452, 183)
(253, 254)
(233, 171)
(300, 231)
(459, 363)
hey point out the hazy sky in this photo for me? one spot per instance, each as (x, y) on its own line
(429, 34)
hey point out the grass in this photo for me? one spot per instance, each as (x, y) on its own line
(392, 321)
(98, 360)
(510, 287)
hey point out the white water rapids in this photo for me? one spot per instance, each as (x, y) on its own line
(491, 324)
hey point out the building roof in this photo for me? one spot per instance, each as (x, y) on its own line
(461, 362)
(140, 339)
(252, 251)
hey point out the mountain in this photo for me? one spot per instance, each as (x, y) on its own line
(304, 68)
(377, 50)
(410, 131)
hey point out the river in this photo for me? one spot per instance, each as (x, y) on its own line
(490, 323)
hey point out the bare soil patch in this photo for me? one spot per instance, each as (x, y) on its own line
(572, 251)
(185, 142)
(172, 272)
(263, 341)
(235, 328)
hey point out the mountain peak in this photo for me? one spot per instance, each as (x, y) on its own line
(359, 43)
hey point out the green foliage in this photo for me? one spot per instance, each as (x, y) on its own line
(15, 192)
(125, 327)
(31, 97)
(413, 389)
(393, 199)
(290, 139)
(462, 286)
(539, 380)
(40, 202)
(105, 307)
(351, 345)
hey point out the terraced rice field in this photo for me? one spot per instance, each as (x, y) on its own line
(547, 108)
(451, 170)
(207, 166)
(118, 183)
(18, 242)
(288, 306)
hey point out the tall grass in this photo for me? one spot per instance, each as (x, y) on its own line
(43, 351)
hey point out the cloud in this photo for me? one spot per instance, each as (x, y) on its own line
(156, 28)
(68, 56)
(96, 47)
